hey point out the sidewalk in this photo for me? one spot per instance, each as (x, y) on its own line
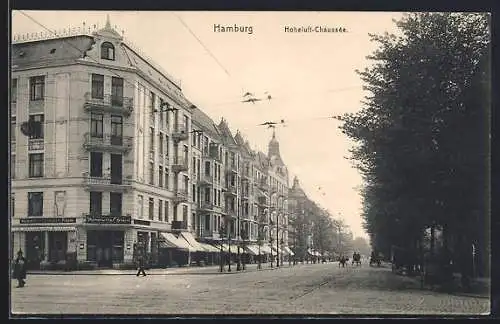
(208, 270)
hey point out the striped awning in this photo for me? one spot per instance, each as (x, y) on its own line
(177, 242)
(192, 241)
(44, 229)
(290, 252)
(252, 249)
(208, 247)
(266, 249)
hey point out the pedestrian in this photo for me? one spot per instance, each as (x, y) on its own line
(20, 269)
(140, 261)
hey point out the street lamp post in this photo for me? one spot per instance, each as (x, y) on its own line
(229, 243)
(238, 237)
(221, 234)
(277, 241)
(271, 244)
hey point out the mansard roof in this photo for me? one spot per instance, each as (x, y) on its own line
(206, 124)
(225, 132)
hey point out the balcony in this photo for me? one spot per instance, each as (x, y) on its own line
(106, 184)
(205, 180)
(264, 186)
(181, 196)
(180, 165)
(212, 153)
(179, 225)
(180, 134)
(108, 143)
(231, 168)
(231, 191)
(206, 206)
(110, 104)
(36, 144)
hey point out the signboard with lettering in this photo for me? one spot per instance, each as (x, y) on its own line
(91, 219)
(141, 222)
(48, 220)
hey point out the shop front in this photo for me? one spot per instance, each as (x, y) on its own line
(45, 246)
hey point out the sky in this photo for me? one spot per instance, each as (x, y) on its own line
(308, 75)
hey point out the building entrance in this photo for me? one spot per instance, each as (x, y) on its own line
(105, 247)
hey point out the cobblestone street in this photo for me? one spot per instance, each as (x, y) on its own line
(302, 289)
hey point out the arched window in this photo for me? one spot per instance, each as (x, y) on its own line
(107, 51)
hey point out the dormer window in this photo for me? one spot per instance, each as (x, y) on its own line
(107, 51)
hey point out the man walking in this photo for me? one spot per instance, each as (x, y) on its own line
(140, 261)
(20, 269)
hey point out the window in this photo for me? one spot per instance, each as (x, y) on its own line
(186, 153)
(95, 203)
(207, 223)
(215, 196)
(160, 145)
(166, 211)
(96, 164)
(107, 51)
(37, 88)
(194, 192)
(186, 183)
(167, 146)
(151, 208)
(117, 91)
(35, 203)
(13, 129)
(161, 112)
(116, 130)
(151, 141)
(151, 174)
(38, 126)
(160, 177)
(140, 206)
(207, 168)
(207, 195)
(97, 86)
(167, 179)
(115, 203)
(185, 213)
(116, 168)
(218, 198)
(36, 165)
(13, 166)
(13, 91)
(160, 210)
(12, 205)
(96, 125)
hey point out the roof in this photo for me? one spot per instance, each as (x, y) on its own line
(53, 51)
(205, 123)
(225, 132)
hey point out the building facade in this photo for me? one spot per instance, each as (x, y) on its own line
(107, 154)
(105, 165)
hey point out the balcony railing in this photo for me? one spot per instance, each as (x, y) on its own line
(179, 225)
(205, 180)
(180, 133)
(180, 164)
(36, 144)
(108, 142)
(109, 103)
(206, 206)
(181, 195)
(231, 190)
(106, 183)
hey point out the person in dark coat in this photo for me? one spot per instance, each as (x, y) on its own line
(20, 269)
(140, 261)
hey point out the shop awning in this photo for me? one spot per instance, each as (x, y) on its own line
(177, 242)
(192, 241)
(208, 247)
(44, 229)
(252, 249)
(289, 251)
(265, 249)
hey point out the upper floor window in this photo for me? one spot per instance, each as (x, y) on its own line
(107, 51)
(36, 165)
(13, 91)
(37, 87)
(96, 125)
(97, 86)
(35, 203)
(38, 123)
(117, 91)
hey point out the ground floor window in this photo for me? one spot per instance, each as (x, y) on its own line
(105, 247)
(58, 244)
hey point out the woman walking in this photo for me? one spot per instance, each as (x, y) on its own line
(20, 269)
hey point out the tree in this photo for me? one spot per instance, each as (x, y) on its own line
(421, 144)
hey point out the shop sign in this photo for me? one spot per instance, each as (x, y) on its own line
(45, 220)
(108, 219)
(141, 222)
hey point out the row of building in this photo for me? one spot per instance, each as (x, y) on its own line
(107, 153)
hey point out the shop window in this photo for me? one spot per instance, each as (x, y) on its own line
(58, 243)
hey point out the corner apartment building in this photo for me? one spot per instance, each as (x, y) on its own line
(107, 163)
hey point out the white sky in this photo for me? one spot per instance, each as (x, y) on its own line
(309, 75)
